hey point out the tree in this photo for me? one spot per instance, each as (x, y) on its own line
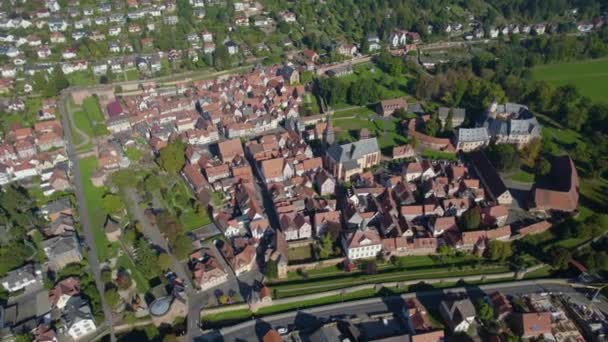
(106, 275)
(147, 259)
(112, 203)
(23, 338)
(498, 250)
(560, 257)
(448, 122)
(171, 158)
(484, 311)
(529, 153)
(325, 246)
(371, 267)
(471, 219)
(271, 269)
(504, 157)
(221, 58)
(164, 261)
(182, 246)
(432, 126)
(542, 167)
(112, 298)
(59, 80)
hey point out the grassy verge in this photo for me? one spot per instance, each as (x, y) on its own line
(438, 155)
(96, 214)
(142, 284)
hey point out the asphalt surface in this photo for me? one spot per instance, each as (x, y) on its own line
(310, 319)
(84, 217)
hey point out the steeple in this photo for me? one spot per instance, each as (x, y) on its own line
(328, 134)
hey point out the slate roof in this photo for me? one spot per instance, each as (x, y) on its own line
(473, 134)
(353, 151)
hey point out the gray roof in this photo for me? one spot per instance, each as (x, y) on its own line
(59, 245)
(27, 272)
(415, 108)
(353, 151)
(458, 310)
(473, 134)
(457, 113)
(76, 310)
(58, 205)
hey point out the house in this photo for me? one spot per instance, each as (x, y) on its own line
(295, 226)
(276, 170)
(63, 225)
(560, 192)
(458, 115)
(347, 50)
(77, 319)
(207, 272)
(470, 139)
(43, 52)
(417, 317)
(373, 43)
(388, 107)
(54, 209)
(230, 149)
(69, 53)
(62, 250)
(20, 278)
(291, 75)
(63, 291)
(195, 178)
(346, 160)
(362, 244)
(443, 224)
(533, 324)
(232, 47)
(405, 151)
(325, 183)
(327, 221)
(340, 70)
(488, 175)
(458, 314)
(244, 260)
(397, 38)
(310, 55)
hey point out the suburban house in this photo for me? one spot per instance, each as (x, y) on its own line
(501, 305)
(77, 319)
(397, 38)
(560, 192)
(388, 107)
(63, 291)
(62, 250)
(362, 244)
(496, 189)
(22, 277)
(207, 270)
(295, 226)
(458, 314)
(276, 170)
(346, 160)
(533, 324)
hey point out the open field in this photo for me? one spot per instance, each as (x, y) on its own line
(590, 76)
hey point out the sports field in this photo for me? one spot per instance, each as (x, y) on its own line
(589, 76)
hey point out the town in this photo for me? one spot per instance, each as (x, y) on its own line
(366, 191)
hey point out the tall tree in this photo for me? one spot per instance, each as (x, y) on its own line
(172, 158)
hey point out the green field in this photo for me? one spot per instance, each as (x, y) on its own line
(590, 76)
(97, 215)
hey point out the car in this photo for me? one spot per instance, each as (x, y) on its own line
(282, 330)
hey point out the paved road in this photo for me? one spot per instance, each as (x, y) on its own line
(310, 318)
(84, 216)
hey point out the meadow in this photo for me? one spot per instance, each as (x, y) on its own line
(588, 76)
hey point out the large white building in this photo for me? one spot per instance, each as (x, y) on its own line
(362, 244)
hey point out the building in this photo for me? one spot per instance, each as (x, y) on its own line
(470, 139)
(63, 291)
(62, 250)
(501, 305)
(458, 314)
(230, 149)
(362, 244)
(20, 278)
(533, 324)
(77, 318)
(495, 188)
(388, 107)
(511, 123)
(346, 160)
(561, 191)
(206, 270)
(458, 116)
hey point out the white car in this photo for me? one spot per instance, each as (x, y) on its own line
(282, 330)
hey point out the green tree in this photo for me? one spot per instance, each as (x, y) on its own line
(147, 259)
(432, 126)
(59, 80)
(221, 58)
(164, 261)
(471, 219)
(112, 298)
(23, 338)
(112, 203)
(106, 275)
(172, 158)
(504, 157)
(448, 122)
(560, 257)
(498, 250)
(271, 269)
(325, 246)
(484, 311)
(542, 167)
(182, 246)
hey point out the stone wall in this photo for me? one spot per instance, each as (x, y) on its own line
(315, 265)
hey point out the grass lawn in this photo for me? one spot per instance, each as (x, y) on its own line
(181, 198)
(588, 76)
(542, 272)
(523, 176)
(299, 253)
(360, 112)
(438, 155)
(132, 74)
(81, 78)
(133, 153)
(94, 200)
(349, 129)
(95, 115)
(141, 283)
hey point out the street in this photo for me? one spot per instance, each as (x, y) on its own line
(84, 216)
(311, 318)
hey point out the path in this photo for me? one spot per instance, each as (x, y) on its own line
(65, 107)
(83, 212)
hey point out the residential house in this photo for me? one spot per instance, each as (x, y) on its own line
(458, 314)
(362, 244)
(77, 319)
(405, 151)
(63, 291)
(533, 324)
(495, 187)
(397, 38)
(207, 270)
(325, 183)
(501, 305)
(373, 43)
(470, 139)
(62, 250)
(347, 50)
(295, 226)
(20, 278)
(230, 149)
